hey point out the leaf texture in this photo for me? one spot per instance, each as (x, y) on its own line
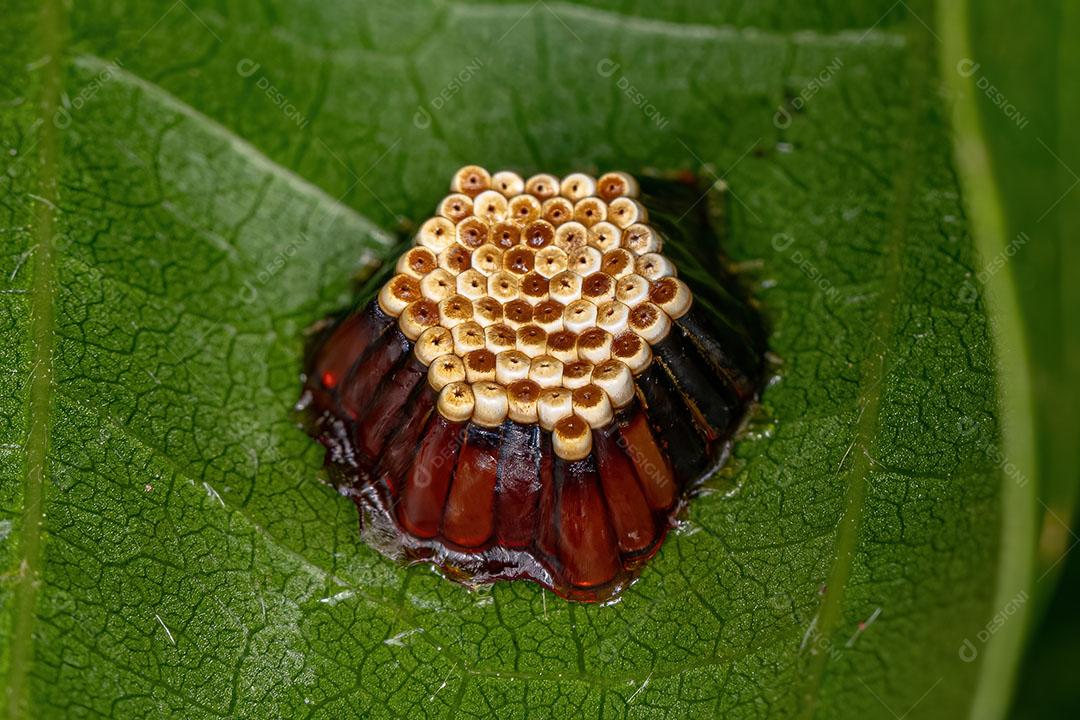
(222, 172)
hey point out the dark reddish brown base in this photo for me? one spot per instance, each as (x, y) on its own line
(486, 504)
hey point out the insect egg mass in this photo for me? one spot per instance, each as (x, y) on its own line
(551, 369)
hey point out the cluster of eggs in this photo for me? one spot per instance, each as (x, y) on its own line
(536, 300)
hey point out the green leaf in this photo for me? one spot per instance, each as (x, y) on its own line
(201, 198)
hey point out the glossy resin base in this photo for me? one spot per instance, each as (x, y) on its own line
(576, 501)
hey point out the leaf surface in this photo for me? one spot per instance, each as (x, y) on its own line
(220, 173)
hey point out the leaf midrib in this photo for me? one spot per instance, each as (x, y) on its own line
(42, 338)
